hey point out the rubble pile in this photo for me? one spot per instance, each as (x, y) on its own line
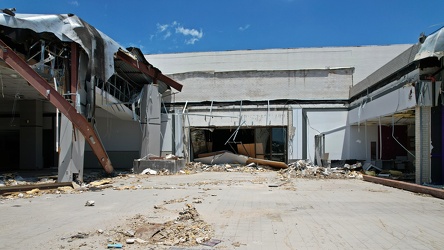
(306, 169)
(188, 229)
(13, 179)
(195, 167)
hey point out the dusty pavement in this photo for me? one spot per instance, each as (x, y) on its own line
(230, 210)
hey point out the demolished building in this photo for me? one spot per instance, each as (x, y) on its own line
(379, 105)
(108, 97)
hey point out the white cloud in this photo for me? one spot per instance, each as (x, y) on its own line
(162, 27)
(195, 34)
(75, 3)
(167, 34)
(167, 31)
(244, 27)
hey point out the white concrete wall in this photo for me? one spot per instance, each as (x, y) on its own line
(333, 125)
(166, 134)
(265, 85)
(295, 144)
(365, 59)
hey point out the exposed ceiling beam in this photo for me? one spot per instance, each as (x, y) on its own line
(149, 70)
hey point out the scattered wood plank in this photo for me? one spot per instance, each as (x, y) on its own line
(22, 188)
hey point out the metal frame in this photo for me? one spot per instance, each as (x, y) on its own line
(148, 70)
(46, 90)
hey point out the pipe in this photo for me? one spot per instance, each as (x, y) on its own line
(57, 121)
(393, 136)
(380, 138)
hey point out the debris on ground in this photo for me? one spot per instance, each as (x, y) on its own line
(14, 179)
(187, 229)
(149, 171)
(306, 169)
(196, 167)
(90, 203)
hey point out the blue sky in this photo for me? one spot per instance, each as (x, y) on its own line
(171, 26)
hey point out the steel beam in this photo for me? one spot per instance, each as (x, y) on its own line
(46, 90)
(149, 70)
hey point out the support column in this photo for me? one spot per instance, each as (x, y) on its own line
(422, 144)
(72, 152)
(150, 119)
(31, 134)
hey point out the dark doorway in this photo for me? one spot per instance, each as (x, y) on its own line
(436, 154)
(9, 150)
(261, 142)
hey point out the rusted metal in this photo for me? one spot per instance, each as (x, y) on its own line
(46, 90)
(22, 188)
(148, 70)
(438, 193)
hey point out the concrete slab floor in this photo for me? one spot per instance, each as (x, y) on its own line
(244, 212)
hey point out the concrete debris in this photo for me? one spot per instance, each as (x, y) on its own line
(140, 241)
(306, 169)
(211, 243)
(149, 171)
(80, 235)
(197, 200)
(188, 229)
(90, 203)
(130, 233)
(13, 179)
(195, 167)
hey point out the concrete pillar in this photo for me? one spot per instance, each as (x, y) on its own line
(31, 134)
(422, 144)
(72, 152)
(151, 121)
